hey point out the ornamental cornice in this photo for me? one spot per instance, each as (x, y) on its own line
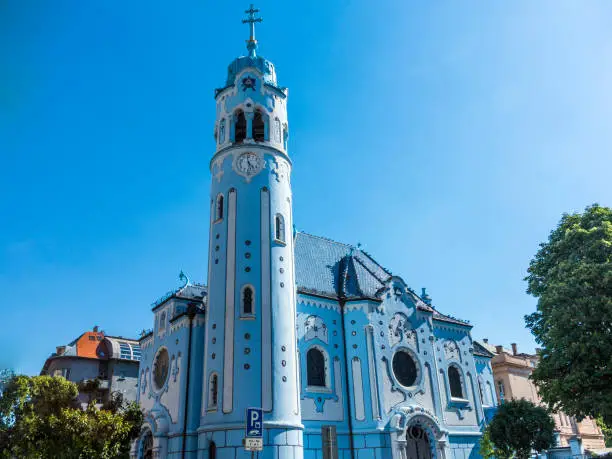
(320, 304)
(181, 323)
(147, 342)
(234, 149)
(349, 307)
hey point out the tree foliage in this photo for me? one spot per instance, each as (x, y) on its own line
(486, 447)
(571, 275)
(518, 427)
(606, 430)
(40, 418)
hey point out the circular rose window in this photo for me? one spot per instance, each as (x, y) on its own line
(404, 368)
(161, 368)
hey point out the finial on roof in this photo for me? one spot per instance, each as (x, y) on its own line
(359, 245)
(251, 20)
(425, 297)
(183, 277)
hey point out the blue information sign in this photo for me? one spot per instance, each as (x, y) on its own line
(254, 423)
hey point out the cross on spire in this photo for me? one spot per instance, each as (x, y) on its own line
(251, 20)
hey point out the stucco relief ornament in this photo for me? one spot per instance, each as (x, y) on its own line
(280, 169)
(399, 329)
(315, 328)
(248, 165)
(451, 351)
(218, 168)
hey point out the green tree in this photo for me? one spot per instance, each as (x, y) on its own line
(487, 449)
(518, 427)
(39, 418)
(571, 275)
(606, 430)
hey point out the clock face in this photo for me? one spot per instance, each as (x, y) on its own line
(248, 164)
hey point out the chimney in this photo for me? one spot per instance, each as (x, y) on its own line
(485, 340)
(95, 329)
(499, 349)
(514, 348)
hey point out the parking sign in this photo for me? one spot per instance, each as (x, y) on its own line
(254, 423)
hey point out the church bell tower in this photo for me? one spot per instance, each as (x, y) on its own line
(250, 355)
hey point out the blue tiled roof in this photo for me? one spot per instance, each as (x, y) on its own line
(335, 270)
(329, 268)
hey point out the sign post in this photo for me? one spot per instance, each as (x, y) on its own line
(254, 430)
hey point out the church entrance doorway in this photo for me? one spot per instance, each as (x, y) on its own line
(417, 443)
(147, 446)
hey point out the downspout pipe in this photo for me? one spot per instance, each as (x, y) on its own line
(191, 312)
(342, 302)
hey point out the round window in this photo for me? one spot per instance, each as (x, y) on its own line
(404, 368)
(161, 368)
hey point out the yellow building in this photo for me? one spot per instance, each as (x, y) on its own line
(511, 371)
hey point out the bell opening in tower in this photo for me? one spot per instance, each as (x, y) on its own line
(258, 127)
(241, 126)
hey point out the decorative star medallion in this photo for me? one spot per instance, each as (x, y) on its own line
(248, 83)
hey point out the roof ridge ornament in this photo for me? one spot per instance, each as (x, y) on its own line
(251, 20)
(184, 278)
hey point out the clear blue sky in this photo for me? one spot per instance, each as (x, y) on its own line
(446, 137)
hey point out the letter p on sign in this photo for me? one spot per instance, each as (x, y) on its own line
(254, 422)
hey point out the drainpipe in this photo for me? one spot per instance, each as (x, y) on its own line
(342, 302)
(191, 312)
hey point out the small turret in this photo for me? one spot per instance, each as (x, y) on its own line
(425, 297)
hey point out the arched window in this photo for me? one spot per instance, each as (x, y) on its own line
(315, 368)
(247, 300)
(259, 127)
(279, 228)
(277, 130)
(454, 381)
(212, 450)
(219, 208)
(213, 391)
(240, 126)
(222, 131)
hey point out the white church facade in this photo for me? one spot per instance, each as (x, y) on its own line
(343, 357)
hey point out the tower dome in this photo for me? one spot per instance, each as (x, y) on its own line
(265, 67)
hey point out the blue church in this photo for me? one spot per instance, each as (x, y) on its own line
(344, 358)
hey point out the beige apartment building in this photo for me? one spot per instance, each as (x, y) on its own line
(511, 371)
